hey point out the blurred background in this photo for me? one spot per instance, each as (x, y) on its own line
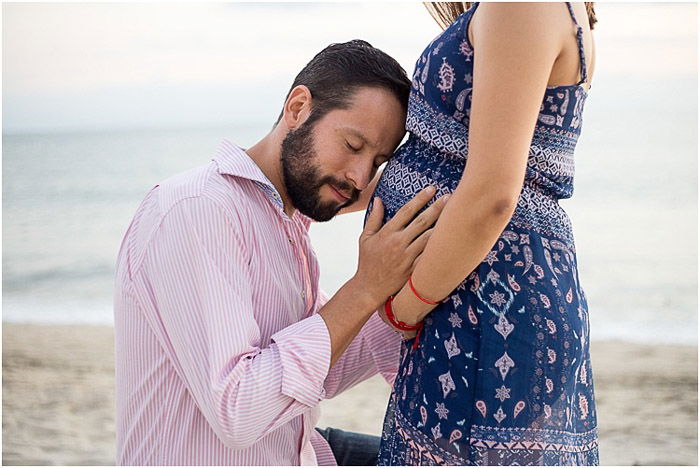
(102, 101)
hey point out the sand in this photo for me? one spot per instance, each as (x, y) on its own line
(58, 399)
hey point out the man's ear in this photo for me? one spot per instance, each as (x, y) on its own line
(297, 108)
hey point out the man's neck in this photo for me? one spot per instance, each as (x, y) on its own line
(266, 155)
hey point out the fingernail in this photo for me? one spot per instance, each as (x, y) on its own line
(445, 198)
(430, 189)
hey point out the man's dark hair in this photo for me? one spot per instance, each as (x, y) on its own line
(339, 70)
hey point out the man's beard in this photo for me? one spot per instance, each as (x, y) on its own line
(302, 177)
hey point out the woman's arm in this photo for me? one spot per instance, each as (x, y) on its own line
(516, 45)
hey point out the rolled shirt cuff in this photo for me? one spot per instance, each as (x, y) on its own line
(305, 354)
(385, 343)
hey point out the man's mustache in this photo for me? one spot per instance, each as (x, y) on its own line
(346, 187)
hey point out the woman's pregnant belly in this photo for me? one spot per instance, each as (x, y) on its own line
(414, 166)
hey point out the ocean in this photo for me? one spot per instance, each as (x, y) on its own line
(69, 197)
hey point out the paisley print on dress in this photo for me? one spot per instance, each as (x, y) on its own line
(502, 375)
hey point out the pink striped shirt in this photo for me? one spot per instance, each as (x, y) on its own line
(221, 358)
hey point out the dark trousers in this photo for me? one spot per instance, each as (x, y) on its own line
(351, 448)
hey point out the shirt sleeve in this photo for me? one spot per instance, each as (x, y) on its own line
(376, 349)
(196, 268)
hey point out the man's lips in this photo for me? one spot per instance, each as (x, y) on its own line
(339, 195)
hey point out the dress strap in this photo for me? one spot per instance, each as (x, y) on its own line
(579, 40)
(467, 16)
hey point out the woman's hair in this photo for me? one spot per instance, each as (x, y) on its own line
(445, 13)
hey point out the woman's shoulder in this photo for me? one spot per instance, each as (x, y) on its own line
(508, 18)
(521, 25)
(523, 10)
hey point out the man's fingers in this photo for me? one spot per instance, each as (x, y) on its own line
(415, 262)
(418, 245)
(374, 221)
(427, 218)
(409, 210)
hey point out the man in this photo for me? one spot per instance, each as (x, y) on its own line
(224, 344)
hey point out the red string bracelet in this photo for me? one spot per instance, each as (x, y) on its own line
(389, 311)
(427, 301)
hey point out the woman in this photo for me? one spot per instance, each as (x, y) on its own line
(499, 372)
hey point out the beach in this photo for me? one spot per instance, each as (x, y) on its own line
(128, 95)
(58, 399)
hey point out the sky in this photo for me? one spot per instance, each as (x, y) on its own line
(98, 66)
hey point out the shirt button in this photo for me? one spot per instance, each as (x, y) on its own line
(303, 294)
(291, 241)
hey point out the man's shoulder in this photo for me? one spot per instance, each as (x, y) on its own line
(201, 194)
(231, 194)
(188, 184)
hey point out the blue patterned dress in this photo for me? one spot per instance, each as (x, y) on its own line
(502, 375)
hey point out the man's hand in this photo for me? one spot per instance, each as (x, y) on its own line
(387, 256)
(388, 253)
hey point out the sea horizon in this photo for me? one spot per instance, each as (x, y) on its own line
(635, 224)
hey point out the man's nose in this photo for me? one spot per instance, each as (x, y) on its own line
(360, 175)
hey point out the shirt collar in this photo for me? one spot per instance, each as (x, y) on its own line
(233, 160)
